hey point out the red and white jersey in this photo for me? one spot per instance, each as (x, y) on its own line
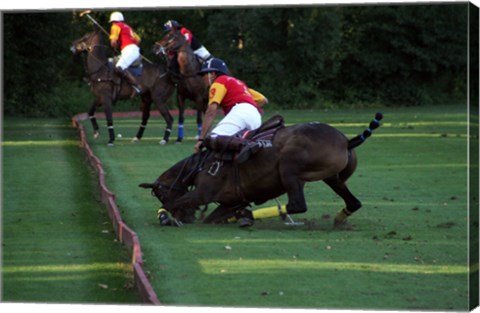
(228, 91)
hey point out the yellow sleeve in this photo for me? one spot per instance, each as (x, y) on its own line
(136, 37)
(217, 93)
(257, 97)
(114, 32)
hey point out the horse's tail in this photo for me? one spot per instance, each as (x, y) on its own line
(358, 140)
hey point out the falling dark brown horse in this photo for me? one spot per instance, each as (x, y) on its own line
(108, 88)
(190, 85)
(301, 153)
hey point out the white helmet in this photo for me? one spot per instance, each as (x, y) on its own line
(116, 17)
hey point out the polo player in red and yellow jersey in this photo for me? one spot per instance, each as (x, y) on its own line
(122, 36)
(241, 106)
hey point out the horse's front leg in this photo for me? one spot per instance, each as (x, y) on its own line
(93, 119)
(145, 107)
(160, 97)
(181, 117)
(109, 117)
(199, 123)
(184, 208)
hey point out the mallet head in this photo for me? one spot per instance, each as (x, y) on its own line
(85, 12)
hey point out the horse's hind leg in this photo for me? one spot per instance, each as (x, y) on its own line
(145, 107)
(352, 204)
(296, 198)
(160, 97)
(93, 119)
(168, 119)
(221, 214)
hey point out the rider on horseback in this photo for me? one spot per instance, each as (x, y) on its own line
(122, 36)
(241, 106)
(199, 50)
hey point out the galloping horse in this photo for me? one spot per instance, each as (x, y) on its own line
(301, 153)
(190, 85)
(108, 88)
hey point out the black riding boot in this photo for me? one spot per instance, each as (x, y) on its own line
(222, 144)
(130, 79)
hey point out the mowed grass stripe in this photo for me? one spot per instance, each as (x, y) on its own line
(57, 241)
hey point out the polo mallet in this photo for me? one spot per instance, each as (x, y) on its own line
(87, 14)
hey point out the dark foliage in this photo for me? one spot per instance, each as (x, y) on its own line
(300, 57)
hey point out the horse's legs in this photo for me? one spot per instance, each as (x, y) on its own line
(162, 108)
(109, 116)
(352, 204)
(181, 118)
(93, 119)
(145, 107)
(222, 213)
(199, 123)
(161, 92)
(296, 198)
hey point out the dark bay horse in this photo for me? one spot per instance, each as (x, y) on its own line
(190, 85)
(108, 88)
(301, 153)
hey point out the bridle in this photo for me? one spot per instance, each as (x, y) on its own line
(89, 46)
(167, 46)
(184, 175)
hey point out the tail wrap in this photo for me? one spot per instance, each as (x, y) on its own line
(358, 140)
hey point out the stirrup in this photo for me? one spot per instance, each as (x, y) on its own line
(136, 91)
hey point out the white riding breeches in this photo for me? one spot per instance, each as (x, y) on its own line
(129, 54)
(203, 53)
(241, 116)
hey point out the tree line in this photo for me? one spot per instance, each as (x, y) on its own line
(317, 56)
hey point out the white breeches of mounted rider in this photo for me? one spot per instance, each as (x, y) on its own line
(202, 53)
(241, 116)
(129, 54)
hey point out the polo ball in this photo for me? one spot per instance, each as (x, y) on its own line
(119, 135)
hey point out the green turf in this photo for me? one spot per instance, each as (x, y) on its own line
(58, 244)
(408, 248)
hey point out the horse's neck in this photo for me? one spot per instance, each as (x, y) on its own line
(187, 61)
(96, 59)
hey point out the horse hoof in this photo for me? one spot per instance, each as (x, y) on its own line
(179, 141)
(245, 222)
(135, 140)
(163, 217)
(342, 225)
(163, 142)
(110, 144)
(96, 135)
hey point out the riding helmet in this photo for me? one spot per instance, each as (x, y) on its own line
(116, 17)
(214, 65)
(170, 24)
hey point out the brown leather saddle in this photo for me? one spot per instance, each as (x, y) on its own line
(266, 131)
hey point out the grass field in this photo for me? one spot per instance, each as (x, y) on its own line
(408, 248)
(58, 245)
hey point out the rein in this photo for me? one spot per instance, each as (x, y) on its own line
(183, 177)
(177, 47)
(90, 47)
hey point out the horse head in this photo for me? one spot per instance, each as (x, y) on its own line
(171, 42)
(175, 182)
(86, 43)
